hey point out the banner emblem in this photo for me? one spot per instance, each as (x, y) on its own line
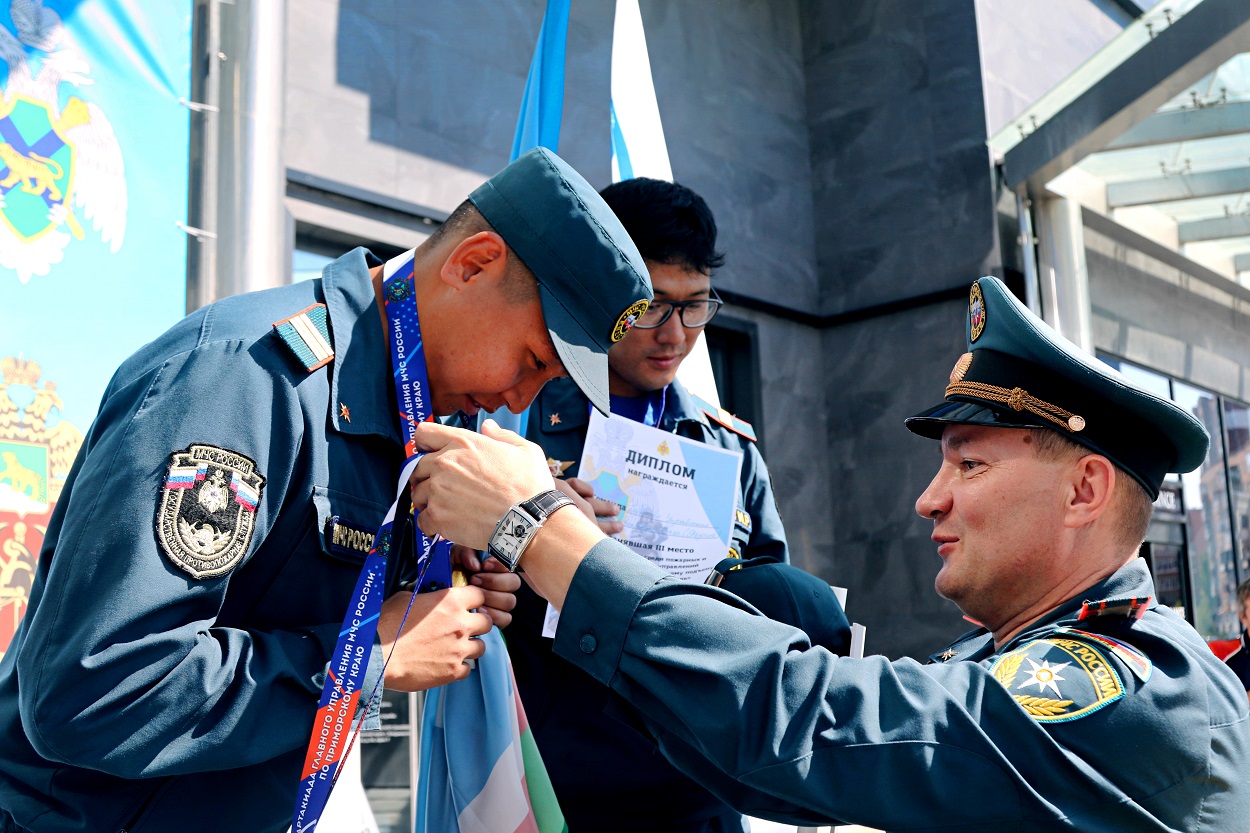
(208, 510)
(59, 165)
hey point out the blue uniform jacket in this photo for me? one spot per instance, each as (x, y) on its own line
(606, 774)
(138, 697)
(979, 741)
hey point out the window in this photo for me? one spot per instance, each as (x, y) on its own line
(1198, 542)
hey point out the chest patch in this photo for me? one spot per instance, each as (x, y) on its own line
(348, 540)
(1058, 679)
(207, 511)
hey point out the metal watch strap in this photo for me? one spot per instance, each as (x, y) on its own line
(542, 505)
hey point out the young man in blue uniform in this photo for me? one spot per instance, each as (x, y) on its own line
(199, 564)
(600, 767)
(1081, 704)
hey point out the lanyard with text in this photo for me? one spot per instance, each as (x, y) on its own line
(345, 676)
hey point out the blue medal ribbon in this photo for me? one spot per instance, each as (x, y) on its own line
(328, 745)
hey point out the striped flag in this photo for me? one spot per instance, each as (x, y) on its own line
(639, 149)
(481, 771)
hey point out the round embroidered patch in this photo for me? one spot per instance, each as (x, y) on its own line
(627, 319)
(976, 312)
(1058, 679)
(208, 510)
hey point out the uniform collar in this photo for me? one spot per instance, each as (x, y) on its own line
(563, 400)
(1111, 598)
(561, 407)
(680, 407)
(360, 375)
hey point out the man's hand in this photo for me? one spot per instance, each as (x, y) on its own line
(437, 638)
(602, 512)
(497, 584)
(466, 482)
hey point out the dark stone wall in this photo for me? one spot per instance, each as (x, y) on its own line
(900, 171)
(904, 205)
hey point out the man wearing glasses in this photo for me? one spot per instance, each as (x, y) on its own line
(600, 767)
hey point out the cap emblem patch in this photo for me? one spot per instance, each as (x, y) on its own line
(976, 312)
(961, 367)
(208, 509)
(627, 319)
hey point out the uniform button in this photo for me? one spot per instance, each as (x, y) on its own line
(589, 643)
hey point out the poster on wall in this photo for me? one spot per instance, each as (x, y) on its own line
(94, 136)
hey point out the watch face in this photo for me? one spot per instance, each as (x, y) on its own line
(510, 538)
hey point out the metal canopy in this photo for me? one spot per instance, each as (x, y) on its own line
(1153, 131)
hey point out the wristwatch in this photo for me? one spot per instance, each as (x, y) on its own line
(519, 524)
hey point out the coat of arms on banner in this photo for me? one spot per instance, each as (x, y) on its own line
(60, 163)
(208, 509)
(37, 448)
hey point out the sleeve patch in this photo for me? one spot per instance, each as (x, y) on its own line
(207, 510)
(1058, 679)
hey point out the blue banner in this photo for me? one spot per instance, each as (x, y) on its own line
(93, 182)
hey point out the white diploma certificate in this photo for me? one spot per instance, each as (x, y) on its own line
(677, 495)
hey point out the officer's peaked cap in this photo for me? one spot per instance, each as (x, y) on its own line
(1019, 373)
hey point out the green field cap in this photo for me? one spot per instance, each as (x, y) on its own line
(1019, 373)
(593, 283)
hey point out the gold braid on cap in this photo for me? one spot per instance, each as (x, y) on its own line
(1018, 399)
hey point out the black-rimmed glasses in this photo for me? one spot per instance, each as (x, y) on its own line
(695, 313)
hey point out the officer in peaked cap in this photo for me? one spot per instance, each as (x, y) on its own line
(200, 561)
(1079, 704)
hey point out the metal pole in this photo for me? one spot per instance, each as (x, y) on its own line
(1065, 275)
(1028, 251)
(242, 230)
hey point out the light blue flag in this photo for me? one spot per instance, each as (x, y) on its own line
(542, 107)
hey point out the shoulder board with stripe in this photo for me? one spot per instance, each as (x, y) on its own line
(1138, 662)
(725, 419)
(307, 333)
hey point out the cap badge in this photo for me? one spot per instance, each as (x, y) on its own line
(976, 312)
(961, 367)
(627, 319)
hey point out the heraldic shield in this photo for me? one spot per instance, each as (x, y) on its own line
(38, 165)
(208, 509)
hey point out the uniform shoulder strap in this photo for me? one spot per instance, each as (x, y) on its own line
(725, 419)
(307, 334)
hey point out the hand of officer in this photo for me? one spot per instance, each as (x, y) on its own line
(498, 585)
(437, 638)
(602, 512)
(466, 482)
